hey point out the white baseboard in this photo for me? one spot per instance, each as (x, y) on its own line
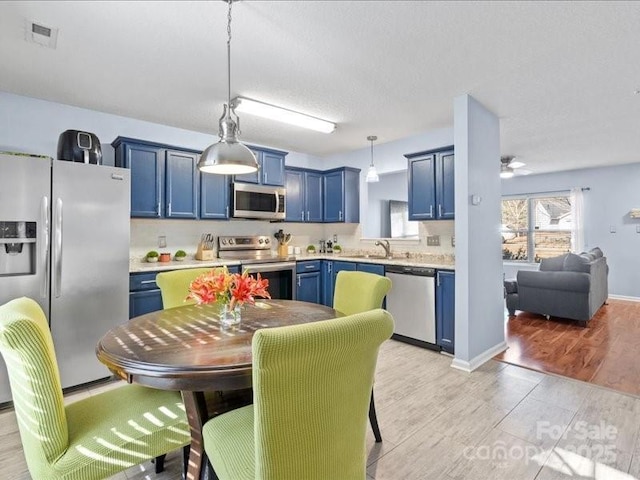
(478, 360)
(623, 297)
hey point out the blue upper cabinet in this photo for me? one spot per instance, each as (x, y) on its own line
(294, 184)
(431, 185)
(181, 192)
(270, 171)
(304, 195)
(163, 178)
(422, 191)
(445, 190)
(214, 196)
(341, 195)
(146, 163)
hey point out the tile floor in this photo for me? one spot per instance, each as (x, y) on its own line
(500, 422)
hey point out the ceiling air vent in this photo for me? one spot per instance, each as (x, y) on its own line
(40, 34)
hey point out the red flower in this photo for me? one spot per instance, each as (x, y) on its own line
(220, 286)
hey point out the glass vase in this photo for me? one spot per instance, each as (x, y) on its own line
(230, 316)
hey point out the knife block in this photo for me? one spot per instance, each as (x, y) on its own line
(203, 253)
(283, 250)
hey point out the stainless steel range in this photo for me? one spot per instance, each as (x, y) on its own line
(255, 255)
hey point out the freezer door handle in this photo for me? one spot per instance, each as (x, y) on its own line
(57, 248)
(44, 253)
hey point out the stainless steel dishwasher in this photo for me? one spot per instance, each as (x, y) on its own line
(411, 301)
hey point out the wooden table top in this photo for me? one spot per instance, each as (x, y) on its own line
(186, 348)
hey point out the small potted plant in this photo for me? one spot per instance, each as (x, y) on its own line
(337, 248)
(180, 255)
(152, 256)
(311, 248)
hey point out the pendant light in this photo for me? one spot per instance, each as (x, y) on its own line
(372, 174)
(228, 156)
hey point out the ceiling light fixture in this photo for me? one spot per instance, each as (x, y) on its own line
(506, 171)
(228, 156)
(372, 174)
(279, 114)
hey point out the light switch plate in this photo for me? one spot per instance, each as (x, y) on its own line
(433, 241)
(612, 229)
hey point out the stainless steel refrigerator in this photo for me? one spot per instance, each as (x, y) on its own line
(64, 242)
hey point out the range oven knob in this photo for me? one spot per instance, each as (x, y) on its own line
(261, 241)
(266, 240)
(223, 241)
(231, 241)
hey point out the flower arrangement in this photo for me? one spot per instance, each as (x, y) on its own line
(228, 289)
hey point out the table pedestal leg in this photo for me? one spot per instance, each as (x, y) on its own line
(196, 410)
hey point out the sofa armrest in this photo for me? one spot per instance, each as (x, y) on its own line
(564, 281)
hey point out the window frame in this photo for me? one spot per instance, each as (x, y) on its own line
(531, 230)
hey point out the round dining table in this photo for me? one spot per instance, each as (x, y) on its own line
(187, 349)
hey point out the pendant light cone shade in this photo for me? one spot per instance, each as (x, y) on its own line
(228, 156)
(372, 174)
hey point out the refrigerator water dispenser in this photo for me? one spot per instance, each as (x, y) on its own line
(17, 248)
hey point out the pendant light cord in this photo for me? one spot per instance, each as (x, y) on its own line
(371, 153)
(229, 57)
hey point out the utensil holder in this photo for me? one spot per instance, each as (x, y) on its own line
(203, 253)
(283, 250)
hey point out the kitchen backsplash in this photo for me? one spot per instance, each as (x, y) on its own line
(185, 234)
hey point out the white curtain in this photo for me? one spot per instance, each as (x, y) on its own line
(577, 215)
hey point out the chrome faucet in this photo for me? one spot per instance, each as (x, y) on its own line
(386, 246)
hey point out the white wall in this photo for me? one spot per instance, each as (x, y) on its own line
(31, 125)
(613, 191)
(479, 325)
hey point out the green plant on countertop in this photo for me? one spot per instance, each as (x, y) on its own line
(337, 248)
(311, 248)
(181, 253)
(152, 254)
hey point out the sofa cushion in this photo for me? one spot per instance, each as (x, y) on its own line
(576, 263)
(553, 264)
(596, 252)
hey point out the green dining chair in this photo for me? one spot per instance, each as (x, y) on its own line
(311, 389)
(90, 439)
(357, 292)
(174, 286)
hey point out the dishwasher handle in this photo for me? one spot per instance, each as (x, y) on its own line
(409, 270)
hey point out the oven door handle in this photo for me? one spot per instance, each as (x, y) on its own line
(269, 267)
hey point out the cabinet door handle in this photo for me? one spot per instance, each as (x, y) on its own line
(145, 282)
(169, 214)
(266, 177)
(308, 215)
(308, 266)
(227, 211)
(340, 215)
(438, 279)
(302, 215)
(430, 211)
(299, 281)
(158, 209)
(439, 209)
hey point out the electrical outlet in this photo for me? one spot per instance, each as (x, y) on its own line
(453, 241)
(433, 241)
(637, 228)
(335, 238)
(612, 229)
(162, 241)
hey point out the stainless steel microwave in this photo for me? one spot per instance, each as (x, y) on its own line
(258, 201)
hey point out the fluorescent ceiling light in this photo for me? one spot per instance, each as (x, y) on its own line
(253, 107)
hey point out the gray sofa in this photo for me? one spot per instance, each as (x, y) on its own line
(569, 286)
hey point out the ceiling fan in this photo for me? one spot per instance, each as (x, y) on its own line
(510, 167)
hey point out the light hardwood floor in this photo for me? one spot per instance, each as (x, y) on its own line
(499, 422)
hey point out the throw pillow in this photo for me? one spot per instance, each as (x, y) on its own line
(576, 263)
(596, 252)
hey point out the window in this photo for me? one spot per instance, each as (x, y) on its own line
(536, 227)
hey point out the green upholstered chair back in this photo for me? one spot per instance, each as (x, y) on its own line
(312, 385)
(174, 286)
(27, 348)
(357, 292)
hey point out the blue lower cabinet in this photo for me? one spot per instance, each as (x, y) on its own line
(371, 268)
(144, 302)
(309, 287)
(329, 279)
(234, 269)
(445, 310)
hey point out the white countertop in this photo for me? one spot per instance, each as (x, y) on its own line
(431, 261)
